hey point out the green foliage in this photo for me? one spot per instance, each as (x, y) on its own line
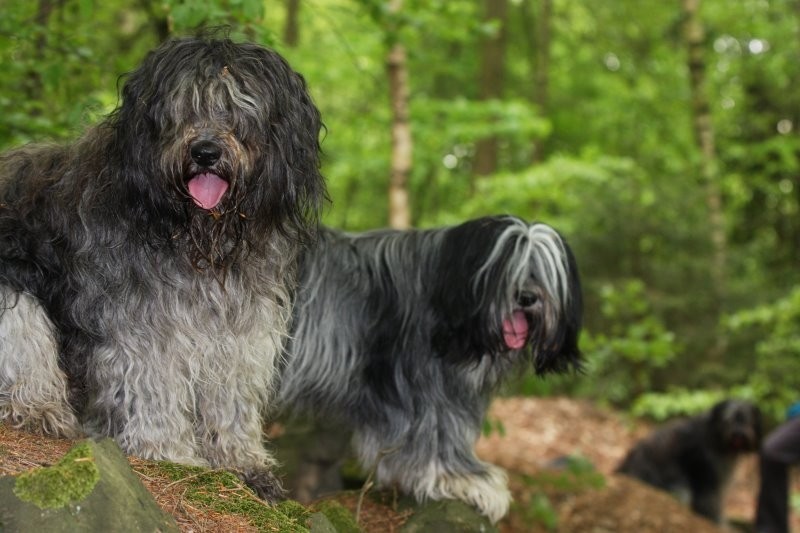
(675, 402)
(244, 17)
(57, 76)
(450, 128)
(577, 474)
(538, 510)
(555, 190)
(493, 425)
(634, 343)
(70, 480)
(774, 372)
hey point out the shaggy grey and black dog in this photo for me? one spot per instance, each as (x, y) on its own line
(403, 335)
(147, 269)
(694, 458)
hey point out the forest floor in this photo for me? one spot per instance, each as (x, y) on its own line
(535, 432)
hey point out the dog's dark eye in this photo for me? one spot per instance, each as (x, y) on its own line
(527, 298)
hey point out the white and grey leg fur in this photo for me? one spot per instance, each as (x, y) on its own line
(437, 465)
(230, 408)
(33, 389)
(201, 403)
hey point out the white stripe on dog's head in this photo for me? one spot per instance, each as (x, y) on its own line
(538, 251)
(550, 261)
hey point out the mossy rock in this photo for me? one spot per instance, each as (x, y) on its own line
(340, 518)
(91, 489)
(69, 481)
(319, 523)
(447, 516)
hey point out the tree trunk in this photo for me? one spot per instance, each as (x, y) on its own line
(291, 31)
(539, 58)
(34, 86)
(491, 82)
(396, 67)
(704, 136)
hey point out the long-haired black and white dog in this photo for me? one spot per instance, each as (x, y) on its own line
(404, 335)
(147, 269)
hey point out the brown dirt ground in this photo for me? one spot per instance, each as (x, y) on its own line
(536, 431)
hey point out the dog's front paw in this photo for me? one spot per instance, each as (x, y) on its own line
(485, 489)
(488, 491)
(264, 483)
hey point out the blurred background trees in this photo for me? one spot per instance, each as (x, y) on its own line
(662, 138)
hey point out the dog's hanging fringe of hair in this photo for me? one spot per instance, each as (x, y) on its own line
(544, 246)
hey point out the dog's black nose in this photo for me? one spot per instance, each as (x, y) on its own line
(205, 153)
(526, 298)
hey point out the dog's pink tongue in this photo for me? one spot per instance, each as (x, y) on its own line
(207, 190)
(515, 330)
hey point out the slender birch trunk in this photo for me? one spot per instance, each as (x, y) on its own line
(402, 145)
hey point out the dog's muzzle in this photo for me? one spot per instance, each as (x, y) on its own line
(206, 188)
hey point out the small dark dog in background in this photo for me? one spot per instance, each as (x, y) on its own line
(694, 458)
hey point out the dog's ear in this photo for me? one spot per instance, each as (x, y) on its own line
(466, 304)
(290, 161)
(142, 110)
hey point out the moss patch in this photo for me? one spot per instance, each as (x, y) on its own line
(339, 516)
(223, 492)
(294, 510)
(71, 480)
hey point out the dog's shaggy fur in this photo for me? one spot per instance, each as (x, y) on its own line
(404, 335)
(694, 458)
(147, 269)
